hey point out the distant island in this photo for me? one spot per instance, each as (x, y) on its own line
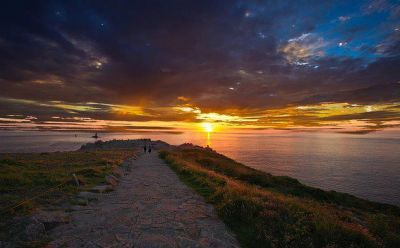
(38, 193)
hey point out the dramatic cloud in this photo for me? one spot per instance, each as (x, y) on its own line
(303, 49)
(192, 61)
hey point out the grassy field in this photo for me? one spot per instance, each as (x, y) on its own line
(31, 181)
(274, 211)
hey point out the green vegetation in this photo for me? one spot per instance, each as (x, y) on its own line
(271, 211)
(31, 181)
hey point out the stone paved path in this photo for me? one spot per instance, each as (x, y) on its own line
(150, 207)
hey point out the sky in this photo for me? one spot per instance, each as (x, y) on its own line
(177, 64)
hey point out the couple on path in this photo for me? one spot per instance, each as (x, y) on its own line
(146, 149)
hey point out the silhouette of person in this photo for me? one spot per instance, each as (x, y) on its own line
(149, 149)
(144, 149)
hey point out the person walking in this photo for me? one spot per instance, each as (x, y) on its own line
(149, 149)
(144, 148)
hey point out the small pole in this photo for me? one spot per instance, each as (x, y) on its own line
(76, 179)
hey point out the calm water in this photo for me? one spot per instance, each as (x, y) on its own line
(367, 166)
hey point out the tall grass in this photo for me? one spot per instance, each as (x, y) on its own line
(269, 211)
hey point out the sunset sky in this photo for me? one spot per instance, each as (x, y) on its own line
(168, 65)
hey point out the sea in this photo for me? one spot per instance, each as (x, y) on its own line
(367, 165)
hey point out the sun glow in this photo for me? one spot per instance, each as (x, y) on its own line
(208, 127)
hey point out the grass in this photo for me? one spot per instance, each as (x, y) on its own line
(274, 211)
(45, 179)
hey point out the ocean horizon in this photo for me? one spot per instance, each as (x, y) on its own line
(366, 166)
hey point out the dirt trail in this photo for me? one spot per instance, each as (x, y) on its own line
(150, 207)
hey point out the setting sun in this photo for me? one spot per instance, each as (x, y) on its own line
(208, 127)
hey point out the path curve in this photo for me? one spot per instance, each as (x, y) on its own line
(150, 207)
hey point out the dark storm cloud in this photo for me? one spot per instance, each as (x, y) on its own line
(220, 54)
